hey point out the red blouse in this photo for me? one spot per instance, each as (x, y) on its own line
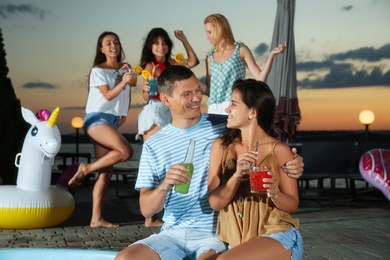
(161, 66)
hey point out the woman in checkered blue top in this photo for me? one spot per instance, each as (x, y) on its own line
(228, 62)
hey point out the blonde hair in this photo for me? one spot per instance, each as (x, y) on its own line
(223, 31)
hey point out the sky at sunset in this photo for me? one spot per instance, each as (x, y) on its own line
(342, 51)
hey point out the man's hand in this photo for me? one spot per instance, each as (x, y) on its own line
(294, 168)
(175, 175)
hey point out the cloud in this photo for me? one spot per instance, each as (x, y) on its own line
(11, 9)
(261, 49)
(314, 65)
(342, 74)
(347, 8)
(366, 53)
(32, 85)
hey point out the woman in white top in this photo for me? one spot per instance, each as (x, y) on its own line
(107, 106)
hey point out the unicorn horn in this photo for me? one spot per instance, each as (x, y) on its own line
(53, 117)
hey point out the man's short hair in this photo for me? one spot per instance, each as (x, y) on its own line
(166, 81)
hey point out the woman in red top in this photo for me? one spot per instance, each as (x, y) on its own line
(156, 56)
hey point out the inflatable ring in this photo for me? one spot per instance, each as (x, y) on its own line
(374, 167)
(23, 209)
(33, 202)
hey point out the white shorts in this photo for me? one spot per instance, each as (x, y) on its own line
(153, 113)
(218, 108)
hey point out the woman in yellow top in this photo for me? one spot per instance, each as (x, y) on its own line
(256, 226)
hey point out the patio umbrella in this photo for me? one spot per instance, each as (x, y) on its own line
(282, 78)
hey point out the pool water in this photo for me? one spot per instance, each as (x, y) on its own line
(56, 254)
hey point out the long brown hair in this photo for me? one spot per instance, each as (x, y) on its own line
(257, 95)
(147, 54)
(99, 56)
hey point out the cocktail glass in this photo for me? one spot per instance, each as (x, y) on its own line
(153, 86)
(257, 174)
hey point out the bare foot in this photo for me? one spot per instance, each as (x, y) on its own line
(153, 222)
(102, 224)
(79, 176)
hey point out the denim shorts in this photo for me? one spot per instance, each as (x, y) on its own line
(291, 240)
(99, 118)
(183, 244)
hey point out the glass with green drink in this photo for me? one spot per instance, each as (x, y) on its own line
(184, 187)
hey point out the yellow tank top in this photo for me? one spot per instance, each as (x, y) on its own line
(249, 215)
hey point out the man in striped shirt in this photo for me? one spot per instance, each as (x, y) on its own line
(189, 225)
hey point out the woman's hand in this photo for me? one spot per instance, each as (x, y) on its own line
(280, 49)
(126, 78)
(146, 87)
(244, 162)
(272, 185)
(180, 35)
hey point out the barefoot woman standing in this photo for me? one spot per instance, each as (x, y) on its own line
(107, 106)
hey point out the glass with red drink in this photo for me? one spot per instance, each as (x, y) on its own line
(257, 174)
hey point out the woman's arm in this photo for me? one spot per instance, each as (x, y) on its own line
(247, 57)
(109, 94)
(145, 86)
(192, 57)
(221, 195)
(285, 193)
(218, 195)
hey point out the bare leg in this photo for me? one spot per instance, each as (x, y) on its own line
(137, 251)
(260, 248)
(99, 192)
(79, 176)
(119, 150)
(110, 148)
(99, 195)
(153, 221)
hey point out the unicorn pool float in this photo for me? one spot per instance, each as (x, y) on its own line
(33, 202)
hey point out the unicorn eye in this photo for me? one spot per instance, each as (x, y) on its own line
(34, 131)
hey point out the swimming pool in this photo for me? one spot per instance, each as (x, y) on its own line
(55, 254)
